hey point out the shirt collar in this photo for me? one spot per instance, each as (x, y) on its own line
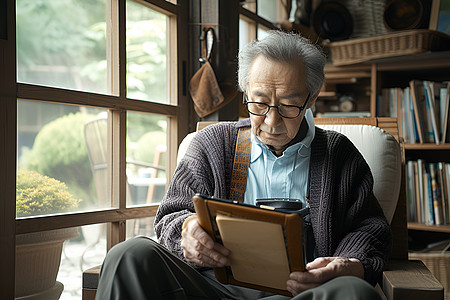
(258, 146)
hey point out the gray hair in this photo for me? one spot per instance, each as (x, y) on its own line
(284, 47)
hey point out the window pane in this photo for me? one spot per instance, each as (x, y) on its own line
(250, 5)
(146, 158)
(79, 254)
(243, 33)
(143, 226)
(62, 44)
(55, 173)
(271, 10)
(146, 54)
(262, 32)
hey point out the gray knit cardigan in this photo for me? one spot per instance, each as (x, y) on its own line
(346, 218)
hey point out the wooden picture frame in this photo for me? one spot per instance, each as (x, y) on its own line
(440, 16)
(232, 223)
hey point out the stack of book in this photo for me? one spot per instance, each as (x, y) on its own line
(427, 192)
(422, 110)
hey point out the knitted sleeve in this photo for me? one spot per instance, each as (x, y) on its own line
(204, 169)
(367, 234)
(349, 220)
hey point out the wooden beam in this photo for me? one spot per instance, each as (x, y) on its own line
(50, 94)
(43, 223)
(8, 138)
(373, 90)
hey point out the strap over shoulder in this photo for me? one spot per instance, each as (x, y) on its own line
(240, 164)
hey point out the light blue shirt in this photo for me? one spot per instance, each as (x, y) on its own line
(285, 176)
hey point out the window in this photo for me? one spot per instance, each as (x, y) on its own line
(256, 17)
(259, 16)
(95, 119)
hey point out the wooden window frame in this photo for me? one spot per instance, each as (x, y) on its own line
(117, 104)
(254, 21)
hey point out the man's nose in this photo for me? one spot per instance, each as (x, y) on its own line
(272, 117)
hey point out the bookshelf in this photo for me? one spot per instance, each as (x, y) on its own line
(365, 83)
(432, 228)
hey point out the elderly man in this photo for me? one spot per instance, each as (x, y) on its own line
(280, 76)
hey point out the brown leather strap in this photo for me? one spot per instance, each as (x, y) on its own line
(240, 164)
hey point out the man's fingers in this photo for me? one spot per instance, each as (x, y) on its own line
(199, 248)
(197, 232)
(203, 256)
(203, 260)
(319, 262)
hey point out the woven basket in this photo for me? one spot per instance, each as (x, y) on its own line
(367, 17)
(439, 265)
(388, 45)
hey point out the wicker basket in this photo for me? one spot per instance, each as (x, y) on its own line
(439, 264)
(388, 45)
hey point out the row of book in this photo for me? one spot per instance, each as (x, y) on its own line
(427, 192)
(422, 110)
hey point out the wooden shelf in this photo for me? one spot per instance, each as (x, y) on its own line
(427, 146)
(434, 228)
(428, 60)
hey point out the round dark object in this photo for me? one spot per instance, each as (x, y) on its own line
(403, 14)
(331, 20)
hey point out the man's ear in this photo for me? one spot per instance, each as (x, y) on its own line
(312, 100)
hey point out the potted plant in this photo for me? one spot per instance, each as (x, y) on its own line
(38, 254)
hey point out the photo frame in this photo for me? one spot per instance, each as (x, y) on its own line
(440, 16)
(277, 236)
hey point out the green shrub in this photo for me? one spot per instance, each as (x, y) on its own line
(59, 151)
(37, 195)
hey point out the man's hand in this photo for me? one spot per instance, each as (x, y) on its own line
(321, 270)
(199, 248)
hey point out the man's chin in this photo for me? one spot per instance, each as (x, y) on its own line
(275, 142)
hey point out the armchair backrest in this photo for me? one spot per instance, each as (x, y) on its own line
(377, 140)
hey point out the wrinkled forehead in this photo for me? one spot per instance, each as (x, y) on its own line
(268, 76)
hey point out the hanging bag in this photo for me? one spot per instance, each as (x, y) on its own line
(207, 94)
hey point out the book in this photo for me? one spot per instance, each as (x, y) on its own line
(411, 132)
(431, 112)
(422, 193)
(410, 192)
(401, 116)
(420, 212)
(444, 192)
(446, 175)
(428, 197)
(266, 244)
(445, 102)
(436, 196)
(419, 118)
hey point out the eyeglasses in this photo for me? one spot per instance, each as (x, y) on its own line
(262, 109)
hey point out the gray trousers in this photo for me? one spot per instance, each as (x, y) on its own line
(140, 268)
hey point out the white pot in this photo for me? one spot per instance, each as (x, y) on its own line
(38, 256)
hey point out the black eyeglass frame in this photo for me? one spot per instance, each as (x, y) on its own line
(300, 108)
